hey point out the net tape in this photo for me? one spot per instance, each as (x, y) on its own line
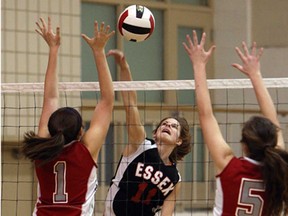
(145, 85)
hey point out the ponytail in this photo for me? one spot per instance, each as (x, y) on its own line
(44, 149)
(260, 136)
(275, 175)
(64, 126)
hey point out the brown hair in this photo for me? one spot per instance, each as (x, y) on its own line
(180, 151)
(64, 126)
(260, 136)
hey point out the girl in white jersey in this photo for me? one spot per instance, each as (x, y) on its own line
(64, 156)
(256, 184)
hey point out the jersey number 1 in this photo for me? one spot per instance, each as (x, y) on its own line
(60, 195)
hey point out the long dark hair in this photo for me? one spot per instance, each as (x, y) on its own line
(64, 126)
(179, 151)
(260, 136)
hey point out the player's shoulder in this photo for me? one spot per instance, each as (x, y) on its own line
(147, 144)
(149, 140)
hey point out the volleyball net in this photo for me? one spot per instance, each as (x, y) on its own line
(233, 102)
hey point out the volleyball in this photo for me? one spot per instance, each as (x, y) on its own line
(136, 23)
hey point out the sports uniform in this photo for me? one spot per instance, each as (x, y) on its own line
(66, 185)
(240, 189)
(141, 184)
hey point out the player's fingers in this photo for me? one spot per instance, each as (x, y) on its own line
(253, 50)
(260, 52)
(212, 48)
(95, 27)
(245, 48)
(185, 47)
(237, 66)
(107, 29)
(110, 52)
(110, 34)
(195, 39)
(39, 32)
(58, 31)
(189, 41)
(49, 24)
(102, 26)
(38, 25)
(115, 53)
(86, 38)
(240, 54)
(203, 39)
(43, 23)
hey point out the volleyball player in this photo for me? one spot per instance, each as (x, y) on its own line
(65, 157)
(146, 178)
(256, 184)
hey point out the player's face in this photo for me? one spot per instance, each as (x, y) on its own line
(168, 131)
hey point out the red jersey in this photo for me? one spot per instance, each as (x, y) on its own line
(66, 185)
(240, 189)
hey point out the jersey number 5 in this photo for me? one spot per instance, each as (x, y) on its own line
(60, 195)
(252, 202)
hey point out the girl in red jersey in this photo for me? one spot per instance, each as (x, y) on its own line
(147, 179)
(65, 157)
(256, 184)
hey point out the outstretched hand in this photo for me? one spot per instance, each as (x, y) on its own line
(250, 61)
(52, 39)
(119, 57)
(101, 36)
(195, 51)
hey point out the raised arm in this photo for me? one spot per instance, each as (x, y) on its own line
(136, 132)
(168, 207)
(101, 118)
(220, 151)
(51, 94)
(251, 68)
